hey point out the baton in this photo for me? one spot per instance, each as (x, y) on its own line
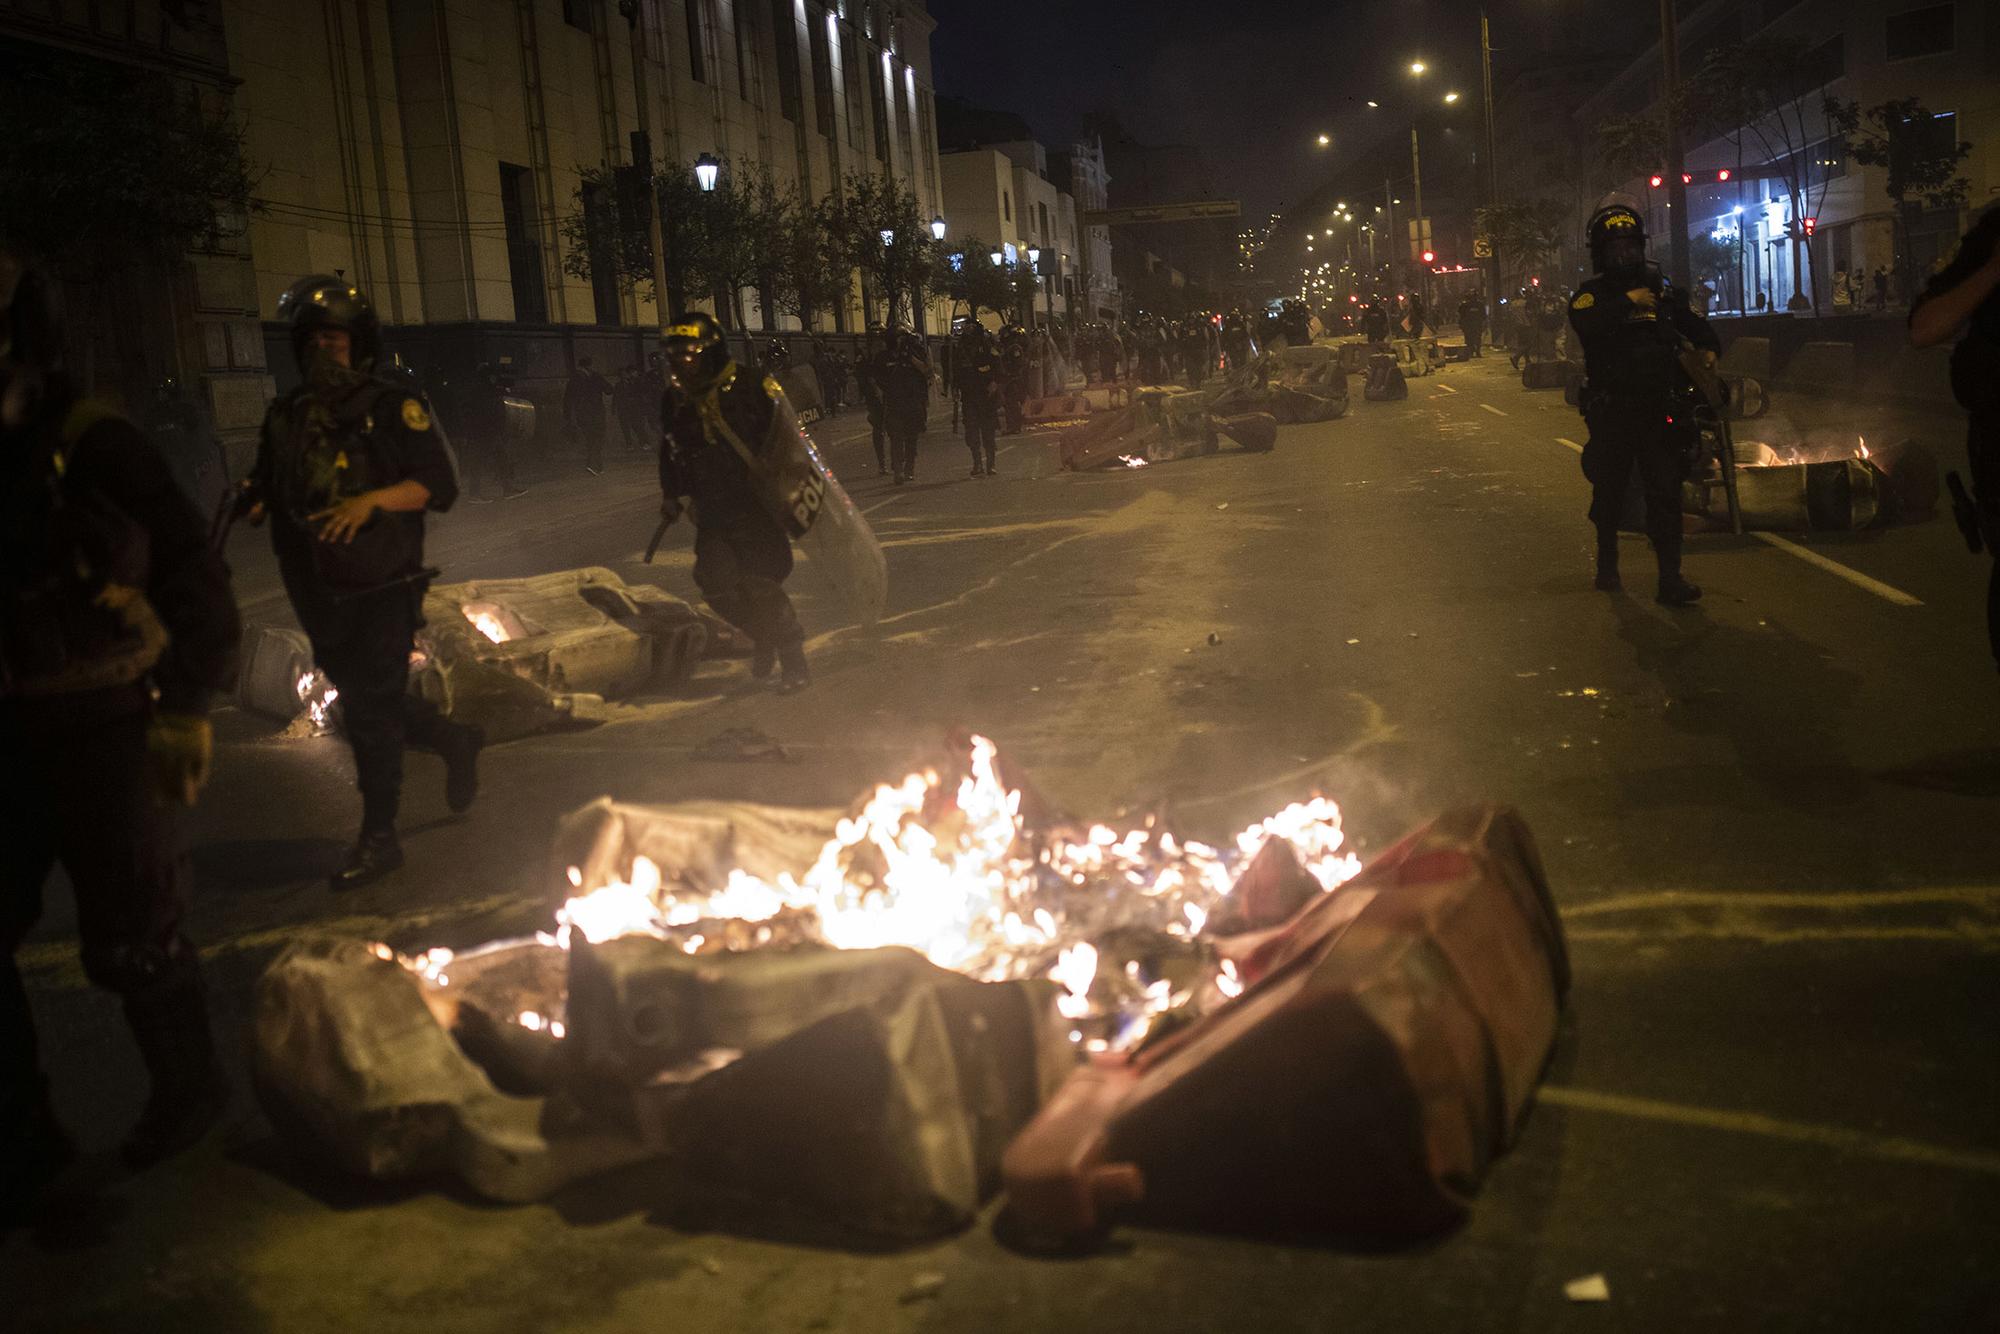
(414, 577)
(659, 534)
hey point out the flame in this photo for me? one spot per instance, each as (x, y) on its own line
(486, 623)
(317, 696)
(1132, 461)
(963, 882)
(1863, 445)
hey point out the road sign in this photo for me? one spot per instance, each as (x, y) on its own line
(1482, 247)
(1205, 208)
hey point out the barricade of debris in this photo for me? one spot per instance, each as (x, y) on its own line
(860, 1012)
(515, 656)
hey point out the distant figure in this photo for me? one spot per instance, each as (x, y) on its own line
(1843, 300)
(1881, 288)
(1472, 321)
(583, 413)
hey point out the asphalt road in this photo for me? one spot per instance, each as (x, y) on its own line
(1769, 822)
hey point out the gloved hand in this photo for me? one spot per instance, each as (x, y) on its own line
(181, 749)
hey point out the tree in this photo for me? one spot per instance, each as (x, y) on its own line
(1528, 234)
(103, 166)
(1901, 135)
(108, 176)
(809, 276)
(869, 206)
(1770, 93)
(966, 273)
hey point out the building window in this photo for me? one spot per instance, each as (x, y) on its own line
(697, 65)
(906, 117)
(576, 13)
(1006, 207)
(822, 65)
(786, 33)
(1918, 32)
(927, 145)
(746, 44)
(1045, 233)
(524, 253)
(1827, 61)
(879, 97)
(850, 80)
(600, 229)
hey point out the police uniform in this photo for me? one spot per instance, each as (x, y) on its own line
(1975, 378)
(742, 555)
(117, 627)
(906, 392)
(1014, 377)
(868, 375)
(1638, 406)
(342, 434)
(979, 388)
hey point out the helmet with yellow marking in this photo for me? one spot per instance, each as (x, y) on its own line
(1610, 235)
(696, 352)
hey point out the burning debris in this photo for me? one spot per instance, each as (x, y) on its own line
(515, 656)
(933, 963)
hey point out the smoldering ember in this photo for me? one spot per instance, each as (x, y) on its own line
(875, 665)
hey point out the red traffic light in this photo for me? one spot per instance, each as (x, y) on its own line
(1722, 175)
(1687, 178)
(1430, 256)
(1656, 180)
(1808, 225)
(1534, 282)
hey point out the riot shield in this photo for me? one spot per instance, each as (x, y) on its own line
(843, 561)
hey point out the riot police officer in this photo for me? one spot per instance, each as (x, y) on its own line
(979, 390)
(347, 466)
(117, 626)
(868, 375)
(1965, 296)
(906, 390)
(1014, 377)
(1636, 397)
(718, 463)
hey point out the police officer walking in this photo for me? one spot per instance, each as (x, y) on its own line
(1014, 377)
(868, 373)
(906, 390)
(117, 626)
(718, 462)
(979, 390)
(1965, 295)
(1636, 398)
(346, 468)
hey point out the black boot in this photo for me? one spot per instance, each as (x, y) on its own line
(34, 1150)
(375, 854)
(796, 677)
(459, 745)
(189, 1093)
(1607, 561)
(762, 659)
(1676, 591)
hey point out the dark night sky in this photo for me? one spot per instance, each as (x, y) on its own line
(1252, 82)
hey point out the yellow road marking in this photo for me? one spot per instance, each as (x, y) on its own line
(1495, 411)
(1891, 1148)
(1570, 443)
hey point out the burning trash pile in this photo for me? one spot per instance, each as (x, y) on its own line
(515, 656)
(1820, 484)
(861, 1012)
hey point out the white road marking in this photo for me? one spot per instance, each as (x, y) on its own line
(1571, 443)
(1894, 1148)
(1495, 411)
(1834, 567)
(1444, 389)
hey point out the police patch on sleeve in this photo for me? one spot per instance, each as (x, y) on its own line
(414, 415)
(1584, 301)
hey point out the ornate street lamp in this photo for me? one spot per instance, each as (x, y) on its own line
(937, 228)
(706, 168)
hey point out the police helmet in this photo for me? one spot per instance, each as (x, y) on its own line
(1610, 223)
(696, 353)
(322, 302)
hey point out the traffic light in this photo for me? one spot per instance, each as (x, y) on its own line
(1687, 178)
(1656, 180)
(1808, 225)
(1722, 175)
(1430, 256)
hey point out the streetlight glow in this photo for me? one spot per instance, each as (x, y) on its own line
(1450, 98)
(937, 228)
(1418, 67)
(1325, 139)
(888, 238)
(1373, 103)
(706, 168)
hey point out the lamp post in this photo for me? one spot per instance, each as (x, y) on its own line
(937, 228)
(888, 236)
